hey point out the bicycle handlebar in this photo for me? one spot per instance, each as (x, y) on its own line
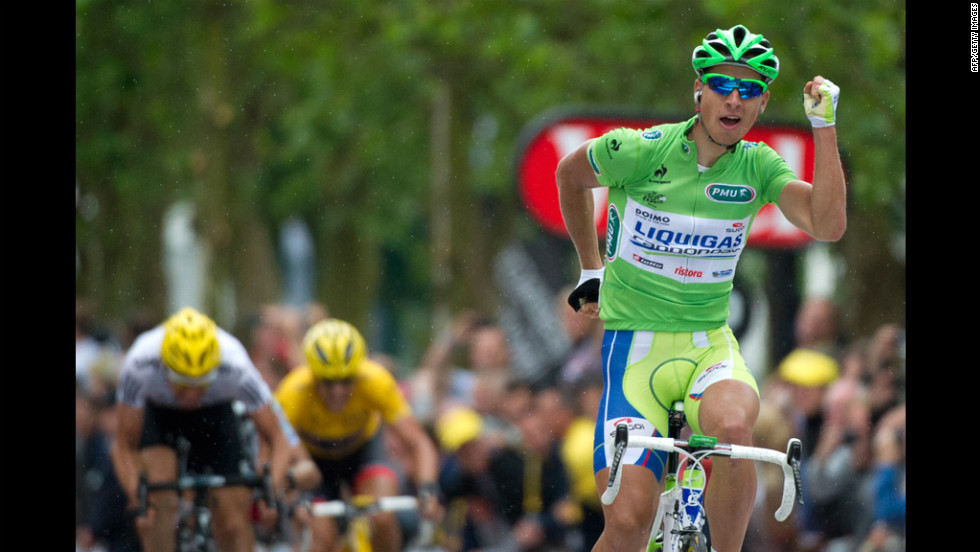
(365, 505)
(788, 461)
(340, 508)
(262, 482)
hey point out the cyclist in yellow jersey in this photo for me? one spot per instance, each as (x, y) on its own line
(338, 403)
(682, 197)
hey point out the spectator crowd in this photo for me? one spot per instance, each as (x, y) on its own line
(517, 452)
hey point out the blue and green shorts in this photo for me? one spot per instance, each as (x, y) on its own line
(644, 372)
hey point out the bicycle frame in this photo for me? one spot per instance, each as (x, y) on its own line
(681, 506)
(680, 512)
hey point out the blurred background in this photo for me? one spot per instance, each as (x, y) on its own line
(362, 157)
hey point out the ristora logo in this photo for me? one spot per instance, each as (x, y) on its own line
(613, 227)
(730, 193)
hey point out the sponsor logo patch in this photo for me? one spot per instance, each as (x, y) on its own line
(613, 228)
(730, 193)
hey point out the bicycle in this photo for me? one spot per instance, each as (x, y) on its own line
(680, 520)
(354, 517)
(194, 532)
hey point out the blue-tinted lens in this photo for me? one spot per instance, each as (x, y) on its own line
(724, 85)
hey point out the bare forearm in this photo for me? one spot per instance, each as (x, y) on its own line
(125, 464)
(426, 462)
(829, 196)
(578, 209)
(271, 435)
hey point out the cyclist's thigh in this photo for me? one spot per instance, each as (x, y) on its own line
(213, 432)
(338, 474)
(375, 475)
(157, 453)
(159, 463)
(645, 372)
(216, 440)
(231, 503)
(622, 351)
(719, 359)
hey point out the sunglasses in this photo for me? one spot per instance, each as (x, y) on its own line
(187, 382)
(344, 382)
(723, 84)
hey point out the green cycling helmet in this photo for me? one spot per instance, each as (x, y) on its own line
(736, 46)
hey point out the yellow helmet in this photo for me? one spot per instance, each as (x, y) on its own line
(457, 427)
(333, 349)
(190, 346)
(808, 368)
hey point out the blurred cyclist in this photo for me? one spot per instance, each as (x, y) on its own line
(339, 402)
(181, 378)
(682, 197)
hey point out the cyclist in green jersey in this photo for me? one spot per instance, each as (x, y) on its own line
(682, 198)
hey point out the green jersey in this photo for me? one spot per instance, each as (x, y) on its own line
(675, 233)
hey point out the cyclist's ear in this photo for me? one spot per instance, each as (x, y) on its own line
(765, 101)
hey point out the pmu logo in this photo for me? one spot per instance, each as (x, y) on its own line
(730, 193)
(652, 135)
(613, 228)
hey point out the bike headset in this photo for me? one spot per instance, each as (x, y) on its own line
(333, 349)
(735, 46)
(190, 348)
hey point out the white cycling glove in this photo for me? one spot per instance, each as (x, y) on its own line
(587, 289)
(822, 112)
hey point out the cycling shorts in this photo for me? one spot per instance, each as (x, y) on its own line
(645, 372)
(213, 431)
(368, 461)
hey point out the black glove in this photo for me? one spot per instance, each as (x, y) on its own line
(587, 290)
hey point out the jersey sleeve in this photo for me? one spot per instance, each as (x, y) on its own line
(129, 389)
(252, 389)
(288, 394)
(614, 157)
(137, 368)
(388, 395)
(774, 172)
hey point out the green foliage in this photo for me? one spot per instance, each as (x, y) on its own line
(324, 111)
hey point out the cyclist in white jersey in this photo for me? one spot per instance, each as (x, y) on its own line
(682, 198)
(180, 379)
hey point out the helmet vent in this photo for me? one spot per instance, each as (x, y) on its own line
(320, 353)
(723, 50)
(739, 34)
